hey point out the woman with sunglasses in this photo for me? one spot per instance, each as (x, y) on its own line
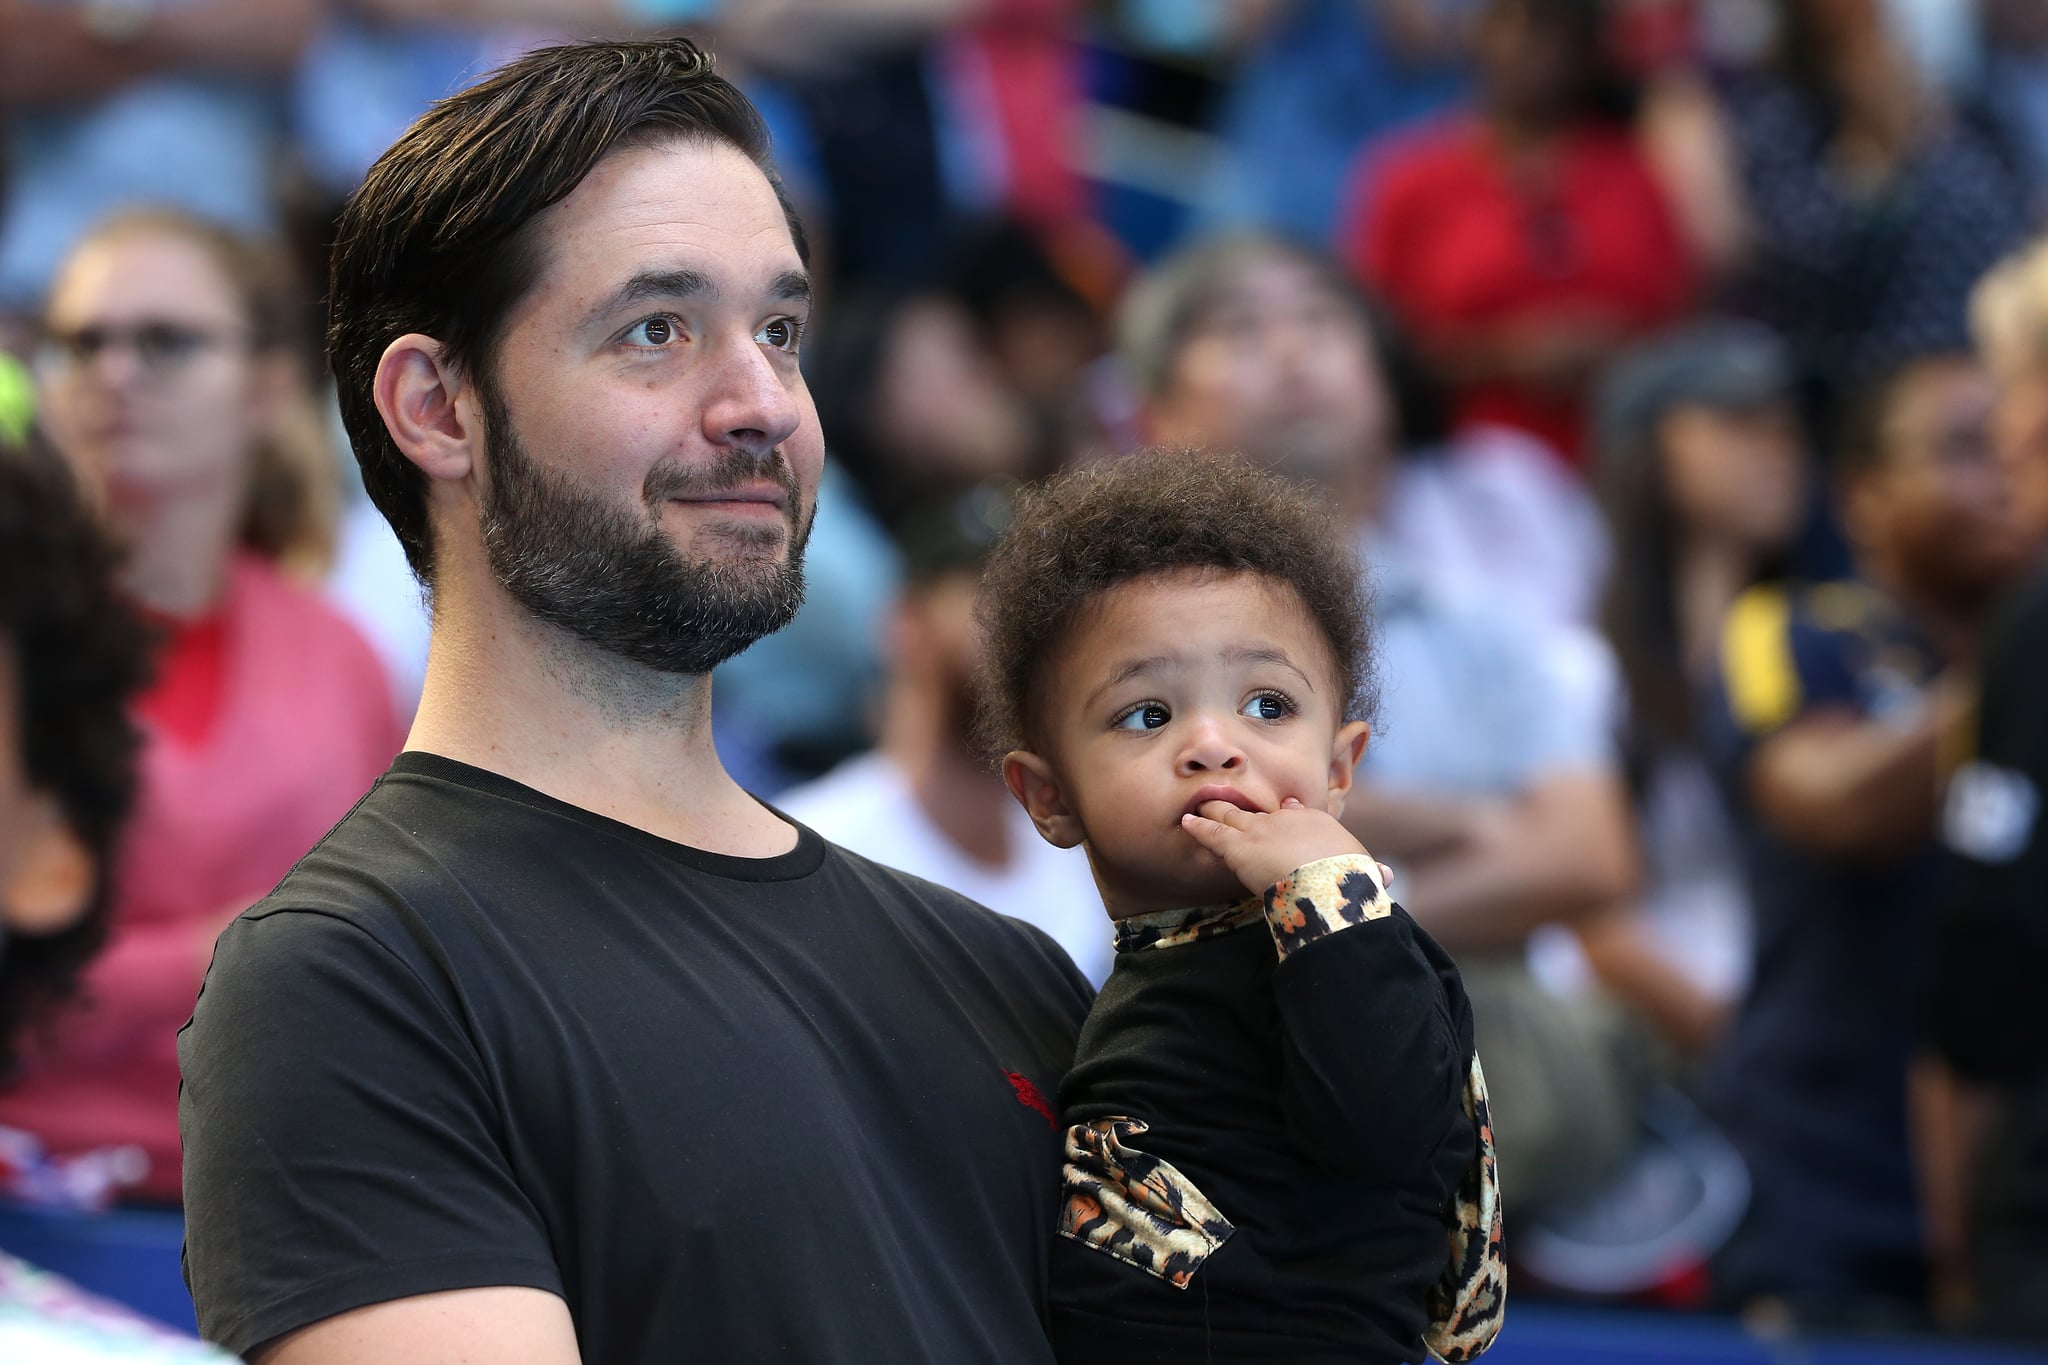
(168, 383)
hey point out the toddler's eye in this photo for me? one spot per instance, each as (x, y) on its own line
(1150, 716)
(1268, 706)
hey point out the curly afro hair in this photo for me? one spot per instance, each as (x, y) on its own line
(1089, 529)
(79, 656)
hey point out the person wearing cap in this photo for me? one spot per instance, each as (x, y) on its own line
(923, 801)
(1701, 470)
(1838, 710)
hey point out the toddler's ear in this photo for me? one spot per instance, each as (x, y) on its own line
(1344, 756)
(1037, 788)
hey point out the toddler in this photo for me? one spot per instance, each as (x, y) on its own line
(1278, 1147)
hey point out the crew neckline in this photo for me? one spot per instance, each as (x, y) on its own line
(801, 861)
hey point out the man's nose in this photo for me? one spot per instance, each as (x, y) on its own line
(752, 405)
(1210, 748)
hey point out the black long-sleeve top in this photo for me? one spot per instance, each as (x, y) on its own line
(1278, 1148)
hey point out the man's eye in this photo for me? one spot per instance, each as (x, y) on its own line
(658, 331)
(784, 334)
(1150, 716)
(1267, 706)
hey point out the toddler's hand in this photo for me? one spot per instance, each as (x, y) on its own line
(1261, 848)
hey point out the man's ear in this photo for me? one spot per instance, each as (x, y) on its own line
(1344, 756)
(1037, 789)
(53, 877)
(422, 399)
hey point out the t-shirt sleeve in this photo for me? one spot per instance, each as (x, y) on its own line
(1775, 665)
(342, 1143)
(1376, 1030)
(1990, 939)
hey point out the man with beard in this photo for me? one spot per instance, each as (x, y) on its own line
(561, 1047)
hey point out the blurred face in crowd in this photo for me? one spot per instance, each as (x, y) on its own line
(935, 641)
(653, 455)
(149, 383)
(1735, 475)
(1935, 503)
(1530, 70)
(1280, 367)
(2020, 434)
(941, 408)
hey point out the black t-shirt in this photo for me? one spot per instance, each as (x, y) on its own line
(728, 1109)
(1988, 1014)
(1269, 1148)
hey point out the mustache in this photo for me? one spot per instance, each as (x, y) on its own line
(730, 470)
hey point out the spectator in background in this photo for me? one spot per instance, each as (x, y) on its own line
(103, 106)
(924, 801)
(1490, 784)
(1873, 210)
(1982, 1102)
(2011, 97)
(71, 658)
(166, 374)
(1318, 80)
(1525, 243)
(1705, 483)
(1838, 709)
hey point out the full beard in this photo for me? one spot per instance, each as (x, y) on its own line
(617, 581)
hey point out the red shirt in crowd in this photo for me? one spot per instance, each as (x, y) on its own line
(265, 724)
(1441, 232)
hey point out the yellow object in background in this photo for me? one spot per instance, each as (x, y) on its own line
(17, 400)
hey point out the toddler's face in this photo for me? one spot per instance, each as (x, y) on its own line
(1175, 690)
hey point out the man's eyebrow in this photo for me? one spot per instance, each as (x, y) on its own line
(684, 283)
(1247, 654)
(1135, 668)
(657, 284)
(793, 286)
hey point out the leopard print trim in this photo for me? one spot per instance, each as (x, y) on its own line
(1136, 1207)
(1175, 928)
(1322, 897)
(1467, 1305)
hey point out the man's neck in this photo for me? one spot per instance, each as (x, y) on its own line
(515, 696)
(958, 795)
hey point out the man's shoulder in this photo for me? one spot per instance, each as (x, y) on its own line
(1001, 942)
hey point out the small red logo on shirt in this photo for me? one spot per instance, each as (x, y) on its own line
(1028, 1096)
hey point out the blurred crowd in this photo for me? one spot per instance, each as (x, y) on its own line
(1682, 364)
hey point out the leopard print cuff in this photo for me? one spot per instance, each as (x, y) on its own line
(1322, 897)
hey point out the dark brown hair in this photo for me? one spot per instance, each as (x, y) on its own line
(78, 657)
(437, 239)
(1092, 528)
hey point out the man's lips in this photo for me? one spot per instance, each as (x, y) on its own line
(1230, 795)
(766, 495)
